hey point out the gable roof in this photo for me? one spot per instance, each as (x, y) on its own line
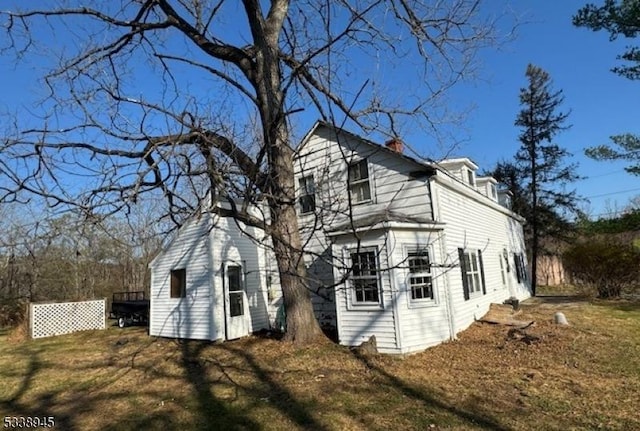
(428, 167)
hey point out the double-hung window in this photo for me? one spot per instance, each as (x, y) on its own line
(521, 269)
(420, 278)
(502, 271)
(358, 182)
(364, 277)
(472, 272)
(307, 194)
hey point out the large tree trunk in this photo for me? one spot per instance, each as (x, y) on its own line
(302, 326)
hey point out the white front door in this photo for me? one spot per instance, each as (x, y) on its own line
(235, 303)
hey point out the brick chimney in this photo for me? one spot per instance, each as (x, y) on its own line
(395, 144)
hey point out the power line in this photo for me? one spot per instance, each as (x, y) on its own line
(613, 193)
(602, 175)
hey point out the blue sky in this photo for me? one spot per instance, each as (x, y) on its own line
(578, 60)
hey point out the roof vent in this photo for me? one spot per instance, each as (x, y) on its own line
(395, 144)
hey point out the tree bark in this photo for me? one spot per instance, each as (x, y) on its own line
(302, 326)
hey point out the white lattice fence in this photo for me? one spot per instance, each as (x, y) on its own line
(65, 317)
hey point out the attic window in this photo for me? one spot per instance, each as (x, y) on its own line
(494, 192)
(358, 182)
(470, 177)
(179, 283)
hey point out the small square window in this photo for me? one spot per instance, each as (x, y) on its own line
(179, 283)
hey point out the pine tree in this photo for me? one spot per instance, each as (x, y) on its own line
(540, 161)
(618, 18)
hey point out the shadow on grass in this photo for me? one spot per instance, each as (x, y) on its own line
(214, 413)
(278, 395)
(42, 406)
(71, 409)
(472, 418)
(222, 413)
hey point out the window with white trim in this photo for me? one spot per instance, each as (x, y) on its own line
(307, 194)
(364, 280)
(471, 178)
(494, 191)
(420, 277)
(358, 182)
(502, 271)
(472, 270)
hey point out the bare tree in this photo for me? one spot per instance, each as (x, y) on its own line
(159, 97)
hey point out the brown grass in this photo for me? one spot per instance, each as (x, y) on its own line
(585, 376)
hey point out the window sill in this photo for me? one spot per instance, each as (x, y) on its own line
(365, 306)
(475, 295)
(423, 303)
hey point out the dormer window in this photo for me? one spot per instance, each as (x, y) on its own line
(494, 191)
(358, 182)
(471, 178)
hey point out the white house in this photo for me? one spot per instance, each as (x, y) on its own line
(409, 251)
(213, 282)
(413, 251)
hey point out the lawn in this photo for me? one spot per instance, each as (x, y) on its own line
(584, 376)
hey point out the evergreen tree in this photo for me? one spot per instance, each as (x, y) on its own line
(541, 162)
(619, 18)
(510, 176)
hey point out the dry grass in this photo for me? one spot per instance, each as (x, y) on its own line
(585, 376)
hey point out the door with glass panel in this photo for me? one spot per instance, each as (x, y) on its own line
(236, 310)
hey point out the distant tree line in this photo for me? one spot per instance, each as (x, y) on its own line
(70, 258)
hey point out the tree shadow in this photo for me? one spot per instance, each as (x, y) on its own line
(477, 418)
(213, 411)
(277, 394)
(67, 406)
(43, 405)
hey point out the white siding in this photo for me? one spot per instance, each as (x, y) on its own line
(357, 323)
(203, 245)
(422, 323)
(327, 156)
(232, 244)
(391, 186)
(469, 219)
(191, 316)
(476, 223)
